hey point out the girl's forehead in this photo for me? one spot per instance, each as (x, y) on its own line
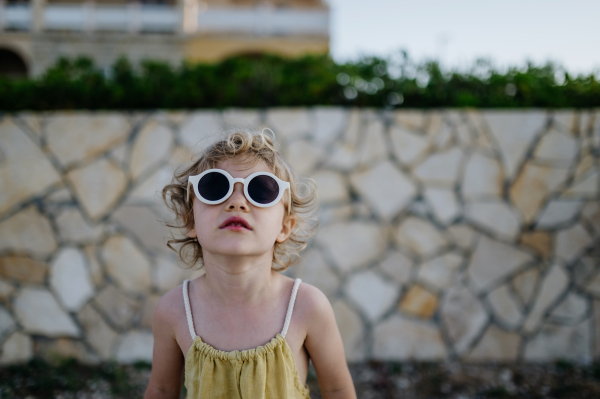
(239, 167)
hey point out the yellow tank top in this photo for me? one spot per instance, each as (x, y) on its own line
(265, 372)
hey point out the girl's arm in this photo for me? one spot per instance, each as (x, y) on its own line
(167, 359)
(325, 347)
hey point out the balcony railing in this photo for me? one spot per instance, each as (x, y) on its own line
(136, 17)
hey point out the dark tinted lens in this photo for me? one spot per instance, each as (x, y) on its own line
(213, 186)
(263, 189)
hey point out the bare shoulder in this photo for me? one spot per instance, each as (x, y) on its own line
(312, 305)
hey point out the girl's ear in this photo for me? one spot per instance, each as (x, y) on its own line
(289, 221)
(192, 233)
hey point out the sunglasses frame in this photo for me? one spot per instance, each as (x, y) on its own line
(283, 185)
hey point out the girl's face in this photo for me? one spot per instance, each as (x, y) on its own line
(265, 225)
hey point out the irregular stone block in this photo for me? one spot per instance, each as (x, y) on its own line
(385, 188)
(331, 187)
(95, 269)
(533, 185)
(496, 217)
(148, 191)
(492, 261)
(464, 317)
(419, 237)
(303, 156)
(332, 214)
(374, 144)
(352, 244)
(411, 119)
(553, 285)
(558, 212)
(329, 123)
(572, 310)
(70, 279)
(98, 334)
(24, 167)
(463, 236)
(39, 313)
(557, 147)
(288, 122)
(313, 269)
(241, 117)
(505, 307)
(72, 227)
(483, 177)
(496, 345)
(539, 241)
(23, 269)
(525, 284)
(201, 129)
(60, 196)
(152, 146)
(98, 186)
(585, 187)
(135, 346)
(28, 231)
(7, 324)
(397, 266)
(126, 264)
(18, 348)
(371, 293)
(555, 342)
(440, 168)
(443, 202)
(6, 291)
(515, 132)
(439, 272)
(408, 146)
(571, 242)
(397, 338)
(352, 331)
(591, 213)
(419, 302)
(82, 136)
(144, 224)
(119, 309)
(167, 274)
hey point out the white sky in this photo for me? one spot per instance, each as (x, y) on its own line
(459, 31)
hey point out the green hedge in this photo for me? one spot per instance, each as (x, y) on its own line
(270, 80)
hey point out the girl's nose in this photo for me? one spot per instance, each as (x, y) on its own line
(238, 200)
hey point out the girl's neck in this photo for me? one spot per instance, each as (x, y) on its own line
(235, 281)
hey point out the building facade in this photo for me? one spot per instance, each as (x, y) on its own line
(33, 34)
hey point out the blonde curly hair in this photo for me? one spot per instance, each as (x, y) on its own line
(250, 145)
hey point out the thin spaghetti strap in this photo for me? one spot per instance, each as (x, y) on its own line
(288, 316)
(188, 310)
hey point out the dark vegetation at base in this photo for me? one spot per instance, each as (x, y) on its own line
(270, 80)
(560, 380)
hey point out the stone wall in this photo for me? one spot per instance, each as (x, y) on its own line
(444, 234)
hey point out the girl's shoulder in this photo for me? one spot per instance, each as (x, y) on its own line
(311, 306)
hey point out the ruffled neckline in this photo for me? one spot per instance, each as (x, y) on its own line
(246, 354)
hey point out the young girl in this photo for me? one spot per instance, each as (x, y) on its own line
(243, 330)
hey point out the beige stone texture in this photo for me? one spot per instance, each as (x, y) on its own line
(482, 177)
(572, 310)
(313, 269)
(288, 122)
(200, 129)
(557, 147)
(515, 132)
(532, 186)
(152, 145)
(553, 285)
(352, 244)
(586, 162)
(584, 187)
(328, 214)
(408, 146)
(241, 117)
(410, 118)
(39, 313)
(98, 187)
(560, 342)
(372, 294)
(75, 137)
(95, 269)
(28, 231)
(591, 213)
(145, 225)
(592, 285)
(443, 203)
(438, 273)
(33, 121)
(22, 269)
(419, 302)
(329, 123)
(126, 264)
(464, 317)
(541, 242)
(148, 311)
(6, 291)
(505, 307)
(73, 228)
(304, 156)
(571, 242)
(18, 348)
(397, 338)
(492, 261)
(135, 346)
(374, 145)
(352, 331)
(525, 284)
(385, 188)
(332, 187)
(59, 196)
(397, 266)
(566, 121)
(62, 348)
(70, 279)
(7, 323)
(98, 333)
(463, 236)
(558, 212)
(24, 167)
(119, 309)
(166, 273)
(499, 218)
(420, 237)
(148, 191)
(496, 345)
(441, 168)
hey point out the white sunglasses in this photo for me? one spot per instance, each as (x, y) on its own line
(214, 186)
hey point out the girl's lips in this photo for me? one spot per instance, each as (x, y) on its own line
(235, 223)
